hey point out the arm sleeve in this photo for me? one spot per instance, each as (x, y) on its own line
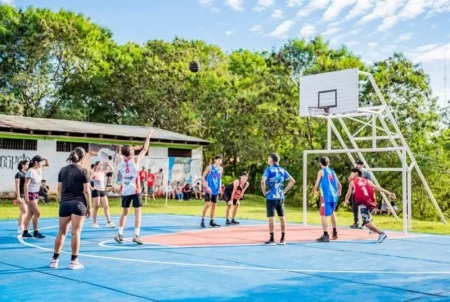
(17, 176)
(59, 177)
(85, 177)
(30, 174)
(286, 175)
(266, 173)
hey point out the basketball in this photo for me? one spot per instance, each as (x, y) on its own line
(194, 66)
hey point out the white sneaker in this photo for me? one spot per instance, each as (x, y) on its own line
(95, 226)
(76, 264)
(382, 237)
(54, 263)
(111, 225)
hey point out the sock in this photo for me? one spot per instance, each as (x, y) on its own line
(137, 231)
(282, 236)
(74, 257)
(120, 230)
(334, 230)
(271, 236)
(325, 233)
(55, 256)
(21, 227)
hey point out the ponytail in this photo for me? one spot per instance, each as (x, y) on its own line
(76, 155)
(21, 164)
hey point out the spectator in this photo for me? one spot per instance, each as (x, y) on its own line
(43, 191)
(394, 207)
(168, 191)
(159, 177)
(187, 192)
(151, 183)
(142, 178)
(198, 191)
(179, 191)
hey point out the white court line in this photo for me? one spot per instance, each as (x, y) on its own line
(242, 267)
(164, 246)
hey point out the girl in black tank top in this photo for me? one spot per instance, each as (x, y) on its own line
(233, 193)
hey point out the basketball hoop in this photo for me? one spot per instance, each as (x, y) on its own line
(319, 111)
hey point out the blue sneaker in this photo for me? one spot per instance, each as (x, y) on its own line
(381, 238)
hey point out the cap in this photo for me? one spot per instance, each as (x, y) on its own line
(37, 159)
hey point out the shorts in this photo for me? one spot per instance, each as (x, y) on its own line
(135, 198)
(365, 214)
(150, 190)
(98, 193)
(327, 208)
(276, 204)
(67, 209)
(227, 197)
(33, 196)
(109, 174)
(211, 198)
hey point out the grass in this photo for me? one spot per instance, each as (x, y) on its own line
(253, 207)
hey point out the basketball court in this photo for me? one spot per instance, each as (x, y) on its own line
(180, 262)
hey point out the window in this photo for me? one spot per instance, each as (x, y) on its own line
(180, 152)
(68, 147)
(18, 144)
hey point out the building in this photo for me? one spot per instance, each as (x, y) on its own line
(180, 156)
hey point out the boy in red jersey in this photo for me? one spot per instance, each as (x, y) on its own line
(364, 196)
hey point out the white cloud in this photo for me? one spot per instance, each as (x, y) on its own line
(352, 43)
(277, 14)
(430, 53)
(307, 31)
(294, 3)
(383, 9)
(405, 37)
(372, 45)
(257, 29)
(229, 32)
(361, 7)
(235, 4)
(10, 2)
(335, 9)
(388, 22)
(313, 6)
(331, 31)
(263, 4)
(283, 29)
(206, 3)
(413, 8)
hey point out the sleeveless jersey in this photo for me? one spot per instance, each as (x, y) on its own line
(363, 193)
(238, 194)
(130, 180)
(214, 179)
(329, 186)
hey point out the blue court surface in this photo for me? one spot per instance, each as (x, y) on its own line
(414, 268)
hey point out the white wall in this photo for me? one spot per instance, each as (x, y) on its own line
(158, 158)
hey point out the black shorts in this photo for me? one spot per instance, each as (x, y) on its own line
(211, 198)
(70, 208)
(272, 205)
(109, 174)
(366, 214)
(227, 197)
(135, 198)
(98, 193)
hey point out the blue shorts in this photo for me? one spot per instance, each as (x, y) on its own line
(327, 208)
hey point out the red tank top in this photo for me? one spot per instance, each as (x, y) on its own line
(363, 193)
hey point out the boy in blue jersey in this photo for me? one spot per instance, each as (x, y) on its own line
(212, 180)
(273, 179)
(330, 190)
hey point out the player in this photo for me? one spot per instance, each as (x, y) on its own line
(109, 175)
(99, 194)
(364, 196)
(330, 190)
(74, 206)
(131, 190)
(273, 179)
(355, 209)
(212, 178)
(20, 193)
(233, 194)
(31, 195)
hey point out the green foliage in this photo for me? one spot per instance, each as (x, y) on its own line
(62, 65)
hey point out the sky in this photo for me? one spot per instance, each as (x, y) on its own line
(372, 29)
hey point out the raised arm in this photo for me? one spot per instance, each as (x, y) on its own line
(146, 146)
(316, 186)
(47, 163)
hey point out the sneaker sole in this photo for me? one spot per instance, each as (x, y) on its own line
(282, 243)
(270, 244)
(118, 241)
(381, 241)
(138, 242)
(75, 268)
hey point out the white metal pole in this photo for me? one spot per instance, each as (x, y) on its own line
(374, 131)
(305, 187)
(405, 204)
(409, 173)
(329, 133)
(341, 141)
(145, 182)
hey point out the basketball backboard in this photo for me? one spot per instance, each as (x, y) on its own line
(335, 91)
